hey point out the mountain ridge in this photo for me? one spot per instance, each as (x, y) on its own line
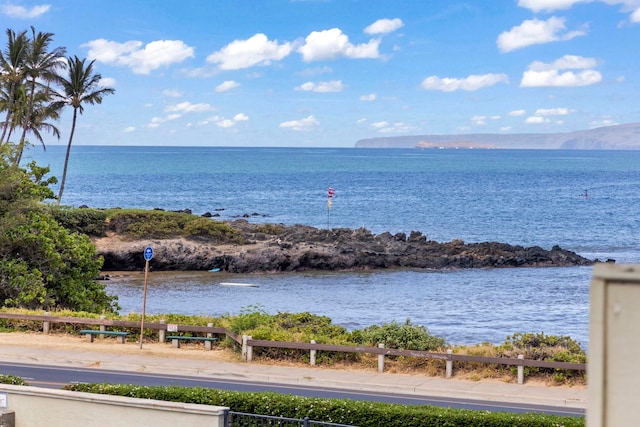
(616, 137)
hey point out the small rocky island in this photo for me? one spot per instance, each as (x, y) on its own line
(279, 248)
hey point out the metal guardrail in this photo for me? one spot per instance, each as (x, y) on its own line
(248, 343)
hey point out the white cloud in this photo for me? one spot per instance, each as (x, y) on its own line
(601, 123)
(516, 113)
(369, 98)
(141, 60)
(536, 120)
(540, 74)
(330, 86)
(226, 86)
(225, 123)
(482, 120)
(547, 5)
(552, 112)
(631, 6)
(470, 83)
(386, 127)
(384, 26)
(21, 12)
(256, 50)
(107, 82)
(332, 44)
(129, 129)
(307, 123)
(172, 93)
(361, 121)
(187, 107)
(156, 121)
(542, 115)
(379, 125)
(535, 31)
(479, 120)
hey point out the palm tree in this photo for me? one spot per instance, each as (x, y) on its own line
(12, 71)
(40, 67)
(34, 117)
(82, 86)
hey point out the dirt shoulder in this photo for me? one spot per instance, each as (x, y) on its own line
(196, 351)
(75, 343)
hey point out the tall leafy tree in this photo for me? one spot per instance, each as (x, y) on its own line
(80, 86)
(35, 116)
(12, 71)
(41, 65)
(42, 264)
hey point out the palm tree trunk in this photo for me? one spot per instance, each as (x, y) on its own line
(66, 157)
(7, 119)
(26, 118)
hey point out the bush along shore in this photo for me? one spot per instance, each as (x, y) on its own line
(305, 327)
(183, 241)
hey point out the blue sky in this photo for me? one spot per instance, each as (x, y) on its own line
(325, 73)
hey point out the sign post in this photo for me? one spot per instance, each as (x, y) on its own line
(148, 254)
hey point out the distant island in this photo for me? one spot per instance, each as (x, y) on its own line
(618, 137)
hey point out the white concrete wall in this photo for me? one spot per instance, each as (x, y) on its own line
(613, 373)
(35, 407)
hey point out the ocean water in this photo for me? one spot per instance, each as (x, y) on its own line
(585, 201)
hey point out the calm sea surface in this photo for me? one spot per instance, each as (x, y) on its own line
(585, 201)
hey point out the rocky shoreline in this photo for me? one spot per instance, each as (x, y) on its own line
(304, 248)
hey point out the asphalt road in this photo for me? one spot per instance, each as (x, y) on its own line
(57, 377)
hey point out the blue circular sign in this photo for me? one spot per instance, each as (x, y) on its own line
(148, 253)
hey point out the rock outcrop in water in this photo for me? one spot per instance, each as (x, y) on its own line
(301, 248)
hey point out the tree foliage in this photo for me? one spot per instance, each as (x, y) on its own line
(42, 264)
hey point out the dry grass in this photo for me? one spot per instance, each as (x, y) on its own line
(195, 351)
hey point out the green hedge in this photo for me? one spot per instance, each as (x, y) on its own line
(12, 379)
(342, 411)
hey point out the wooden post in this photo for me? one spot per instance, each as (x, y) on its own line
(249, 349)
(102, 326)
(449, 368)
(162, 332)
(46, 325)
(312, 355)
(521, 370)
(208, 345)
(381, 359)
(244, 347)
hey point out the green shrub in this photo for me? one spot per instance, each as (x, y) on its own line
(92, 222)
(343, 411)
(538, 346)
(394, 335)
(271, 229)
(12, 379)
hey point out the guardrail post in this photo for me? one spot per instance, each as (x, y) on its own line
(46, 325)
(381, 359)
(208, 345)
(449, 367)
(102, 326)
(162, 332)
(520, 370)
(247, 350)
(312, 355)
